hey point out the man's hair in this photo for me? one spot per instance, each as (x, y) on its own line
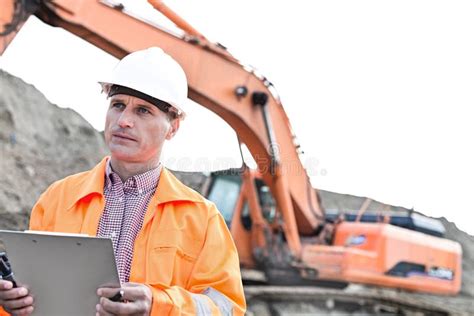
(170, 111)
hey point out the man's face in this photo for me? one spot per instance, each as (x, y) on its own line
(135, 130)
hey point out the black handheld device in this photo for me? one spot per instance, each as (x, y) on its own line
(117, 297)
(6, 272)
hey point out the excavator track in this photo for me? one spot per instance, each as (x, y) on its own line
(354, 300)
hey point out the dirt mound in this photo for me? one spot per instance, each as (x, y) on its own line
(39, 143)
(347, 202)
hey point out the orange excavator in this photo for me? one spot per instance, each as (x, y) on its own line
(273, 212)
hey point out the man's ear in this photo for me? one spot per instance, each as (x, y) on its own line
(174, 126)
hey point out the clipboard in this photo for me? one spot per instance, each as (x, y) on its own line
(62, 271)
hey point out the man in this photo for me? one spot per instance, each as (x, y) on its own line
(174, 252)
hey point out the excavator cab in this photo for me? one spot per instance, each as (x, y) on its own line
(224, 190)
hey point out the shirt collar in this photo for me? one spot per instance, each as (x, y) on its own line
(136, 185)
(169, 188)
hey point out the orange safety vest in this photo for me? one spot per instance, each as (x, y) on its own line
(183, 250)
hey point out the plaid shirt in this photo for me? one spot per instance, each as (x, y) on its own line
(125, 207)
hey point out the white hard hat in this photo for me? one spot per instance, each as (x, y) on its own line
(154, 73)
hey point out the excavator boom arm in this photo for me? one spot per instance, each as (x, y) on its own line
(216, 81)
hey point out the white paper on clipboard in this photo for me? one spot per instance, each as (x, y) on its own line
(62, 271)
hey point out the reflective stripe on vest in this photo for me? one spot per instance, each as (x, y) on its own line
(202, 306)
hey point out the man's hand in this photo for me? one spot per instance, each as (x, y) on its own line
(137, 300)
(16, 301)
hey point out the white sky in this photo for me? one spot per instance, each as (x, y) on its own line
(379, 93)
